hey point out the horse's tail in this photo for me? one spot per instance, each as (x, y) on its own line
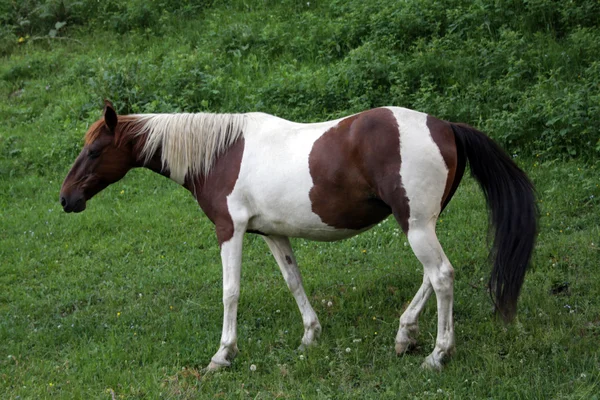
(510, 198)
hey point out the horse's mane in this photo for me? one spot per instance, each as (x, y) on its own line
(189, 143)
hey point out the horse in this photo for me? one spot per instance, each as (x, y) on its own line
(257, 173)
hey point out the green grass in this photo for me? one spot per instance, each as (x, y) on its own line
(125, 298)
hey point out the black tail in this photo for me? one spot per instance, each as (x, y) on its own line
(511, 200)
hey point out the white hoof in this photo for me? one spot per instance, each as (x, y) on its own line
(215, 366)
(403, 347)
(432, 363)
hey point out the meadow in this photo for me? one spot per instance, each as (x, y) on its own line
(124, 299)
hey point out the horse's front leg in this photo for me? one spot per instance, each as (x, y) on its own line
(282, 251)
(231, 256)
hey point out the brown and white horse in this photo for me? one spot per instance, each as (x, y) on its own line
(325, 181)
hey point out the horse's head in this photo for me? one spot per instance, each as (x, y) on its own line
(104, 159)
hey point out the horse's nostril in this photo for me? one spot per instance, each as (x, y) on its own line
(63, 201)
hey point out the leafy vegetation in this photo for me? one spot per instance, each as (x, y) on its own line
(124, 300)
(528, 73)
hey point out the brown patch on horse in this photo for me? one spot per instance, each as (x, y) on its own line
(443, 136)
(211, 191)
(355, 167)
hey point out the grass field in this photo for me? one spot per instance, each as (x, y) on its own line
(126, 297)
(124, 300)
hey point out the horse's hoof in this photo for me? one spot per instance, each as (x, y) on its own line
(215, 366)
(403, 347)
(432, 364)
(304, 346)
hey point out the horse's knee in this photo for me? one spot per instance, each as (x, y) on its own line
(230, 297)
(442, 277)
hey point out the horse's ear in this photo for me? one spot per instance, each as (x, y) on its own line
(110, 116)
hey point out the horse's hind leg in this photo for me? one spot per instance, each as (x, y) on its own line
(439, 273)
(409, 321)
(282, 251)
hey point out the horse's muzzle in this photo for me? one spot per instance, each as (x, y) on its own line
(72, 203)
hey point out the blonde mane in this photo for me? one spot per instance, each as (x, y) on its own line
(189, 143)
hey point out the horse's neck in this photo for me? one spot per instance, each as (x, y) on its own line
(177, 145)
(153, 162)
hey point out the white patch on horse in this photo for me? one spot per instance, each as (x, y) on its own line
(423, 170)
(274, 180)
(424, 173)
(190, 143)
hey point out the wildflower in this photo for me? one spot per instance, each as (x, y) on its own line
(329, 304)
(118, 314)
(364, 251)
(301, 357)
(122, 192)
(253, 368)
(21, 40)
(348, 350)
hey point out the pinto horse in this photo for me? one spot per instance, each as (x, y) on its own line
(326, 181)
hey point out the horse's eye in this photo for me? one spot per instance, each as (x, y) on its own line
(94, 154)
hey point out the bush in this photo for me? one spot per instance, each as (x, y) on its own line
(526, 72)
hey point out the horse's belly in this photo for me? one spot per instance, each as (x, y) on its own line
(301, 228)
